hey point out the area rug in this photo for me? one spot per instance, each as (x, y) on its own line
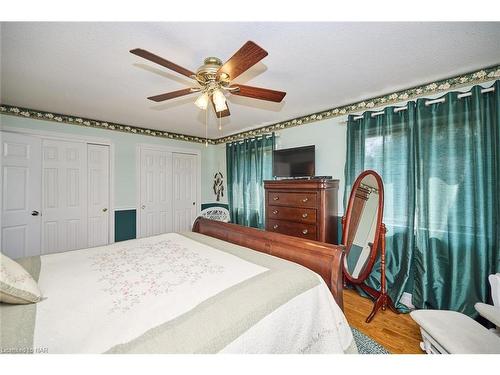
(367, 345)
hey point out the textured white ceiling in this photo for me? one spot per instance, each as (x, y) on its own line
(85, 69)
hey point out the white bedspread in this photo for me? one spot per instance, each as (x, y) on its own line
(113, 294)
(176, 293)
(310, 323)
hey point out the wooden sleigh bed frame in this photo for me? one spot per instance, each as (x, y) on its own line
(323, 258)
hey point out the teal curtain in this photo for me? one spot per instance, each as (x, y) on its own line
(249, 163)
(458, 193)
(383, 143)
(441, 167)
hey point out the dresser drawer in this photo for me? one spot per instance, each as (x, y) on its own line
(278, 198)
(301, 215)
(292, 229)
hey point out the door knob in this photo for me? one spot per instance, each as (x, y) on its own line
(143, 206)
(35, 213)
(104, 209)
(194, 203)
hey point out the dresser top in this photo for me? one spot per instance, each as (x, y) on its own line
(301, 184)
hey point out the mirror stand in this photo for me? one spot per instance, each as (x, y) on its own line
(381, 298)
(364, 235)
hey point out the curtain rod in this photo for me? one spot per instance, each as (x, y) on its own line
(429, 102)
(240, 141)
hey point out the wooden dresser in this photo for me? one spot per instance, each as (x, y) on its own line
(303, 208)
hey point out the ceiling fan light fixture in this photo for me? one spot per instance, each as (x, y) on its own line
(221, 108)
(219, 101)
(214, 79)
(202, 101)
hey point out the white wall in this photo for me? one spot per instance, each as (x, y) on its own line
(215, 160)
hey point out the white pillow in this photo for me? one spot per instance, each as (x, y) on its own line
(16, 284)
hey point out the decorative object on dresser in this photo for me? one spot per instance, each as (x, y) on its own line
(324, 259)
(303, 208)
(363, 235)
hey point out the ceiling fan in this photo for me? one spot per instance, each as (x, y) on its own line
(214, 78)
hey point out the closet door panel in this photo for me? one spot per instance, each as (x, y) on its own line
(184, 191)
(64, 184)
(21, 195)
(98, 194)
(155, 211)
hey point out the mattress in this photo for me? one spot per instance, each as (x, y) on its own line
(174, 293)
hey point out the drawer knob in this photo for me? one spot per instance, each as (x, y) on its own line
(304, 215)
(275, 226)
(275, 212)
(305, 199)
(305, 231)
(276, 198)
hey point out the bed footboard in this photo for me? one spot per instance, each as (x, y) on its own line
(324, 259)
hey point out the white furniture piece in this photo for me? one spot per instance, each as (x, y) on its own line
(492, 313)
(450, 332)
(216, 213)
(495, 288)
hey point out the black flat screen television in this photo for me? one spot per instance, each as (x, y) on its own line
(294, 162)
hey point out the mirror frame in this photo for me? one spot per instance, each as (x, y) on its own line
(376, 240)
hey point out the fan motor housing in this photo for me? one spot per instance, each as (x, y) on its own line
(208, 71)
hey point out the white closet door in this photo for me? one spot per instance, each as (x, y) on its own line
(184, 191)
(98, 194)
(21, 195)
(155, 192)
(64, 185)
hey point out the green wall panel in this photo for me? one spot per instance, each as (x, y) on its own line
(125, 224)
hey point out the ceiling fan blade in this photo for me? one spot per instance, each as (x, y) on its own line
(259, 93)
(161, 61)
(224, 113)
(246, 57)
(170, 95)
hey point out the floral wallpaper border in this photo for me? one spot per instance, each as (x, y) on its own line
(89, 123)
(472, 78)
(482, 75)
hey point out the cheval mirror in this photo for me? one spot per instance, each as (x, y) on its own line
(364, 237)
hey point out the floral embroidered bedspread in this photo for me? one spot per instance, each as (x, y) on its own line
(174, 293)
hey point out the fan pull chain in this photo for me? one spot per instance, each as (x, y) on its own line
(206, 127)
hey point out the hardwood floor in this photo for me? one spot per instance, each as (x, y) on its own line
(399, 334)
